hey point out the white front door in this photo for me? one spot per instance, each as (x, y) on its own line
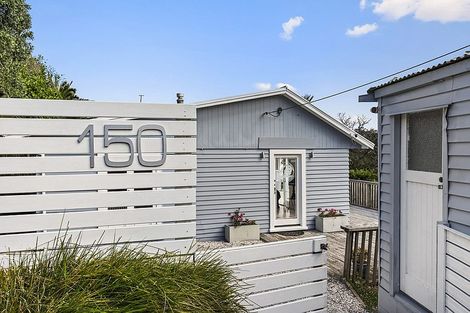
(421, 204)
(287, 174)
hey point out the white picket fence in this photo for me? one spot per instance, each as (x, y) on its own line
(284, 276)
(453, 270)
(113, 172)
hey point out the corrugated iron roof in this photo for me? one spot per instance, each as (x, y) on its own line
(432, 68)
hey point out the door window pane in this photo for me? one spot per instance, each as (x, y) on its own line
(425, 141)
(285, 187)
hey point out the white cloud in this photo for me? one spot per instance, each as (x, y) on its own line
(424, 10)
(361, 30)
(289, 27)
(263, 86)
(362, 4)
(280, 85)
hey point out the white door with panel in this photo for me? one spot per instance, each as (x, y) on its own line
(421, 204)
(287, 172)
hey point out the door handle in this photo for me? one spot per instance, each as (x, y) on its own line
(440, 186)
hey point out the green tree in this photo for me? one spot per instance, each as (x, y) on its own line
(21, 74)
(362, 160)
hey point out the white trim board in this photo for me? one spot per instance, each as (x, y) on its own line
(303, 190)
(297, 99)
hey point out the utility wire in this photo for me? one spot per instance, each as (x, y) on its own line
(276, 113)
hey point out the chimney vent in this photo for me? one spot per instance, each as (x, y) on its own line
(179, 97)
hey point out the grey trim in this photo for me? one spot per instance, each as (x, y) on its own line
(396, 178)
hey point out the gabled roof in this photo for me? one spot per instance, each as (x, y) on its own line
(301, 102)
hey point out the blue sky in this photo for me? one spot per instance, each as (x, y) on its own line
(115, 50)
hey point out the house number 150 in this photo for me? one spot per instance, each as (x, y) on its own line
(90, 133)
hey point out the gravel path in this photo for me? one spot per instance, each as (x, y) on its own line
(341, 298)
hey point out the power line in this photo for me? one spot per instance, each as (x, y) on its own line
(273, 113)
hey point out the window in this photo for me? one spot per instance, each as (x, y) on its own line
(425, 141)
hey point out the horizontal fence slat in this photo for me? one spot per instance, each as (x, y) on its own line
(102, 236)
(70, 145)
(23, 184)
(291, 293)
(84, 200)
(279, 265)
(71, 108)
(286, 279)
(51, 221)
(302, 305)
(74, 127)
(248, 254)
(76, 163)
(458, 294)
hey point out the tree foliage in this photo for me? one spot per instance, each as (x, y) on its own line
(362, 159)
(23, 75)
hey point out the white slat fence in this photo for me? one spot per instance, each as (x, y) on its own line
(285, 276)
(47, 183)
(453, 270)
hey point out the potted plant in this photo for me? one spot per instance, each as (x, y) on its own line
(241, 228)
(330, 220)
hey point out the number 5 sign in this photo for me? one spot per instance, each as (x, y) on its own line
(89, 131)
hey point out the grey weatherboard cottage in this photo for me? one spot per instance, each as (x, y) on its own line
(424, 159)
(301, 154)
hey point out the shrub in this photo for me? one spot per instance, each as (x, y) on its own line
(363, 174)
(83, 279)
(330, 212)
(238, 219)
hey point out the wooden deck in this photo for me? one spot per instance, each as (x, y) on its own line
(358, 217)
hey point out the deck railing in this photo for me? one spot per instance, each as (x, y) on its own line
(360, 257)
(363, 193)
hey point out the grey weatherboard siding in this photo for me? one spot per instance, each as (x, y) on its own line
(231, 173)
(447, 87)
(240, 125)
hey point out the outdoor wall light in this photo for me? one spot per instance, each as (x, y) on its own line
(263, 155)
(310, 155)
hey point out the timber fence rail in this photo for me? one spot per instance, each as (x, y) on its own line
(364, 193)
(361, 254)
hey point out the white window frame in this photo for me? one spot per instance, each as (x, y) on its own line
(301, 176)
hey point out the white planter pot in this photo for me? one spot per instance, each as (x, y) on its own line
(330, 224)
(241, 233)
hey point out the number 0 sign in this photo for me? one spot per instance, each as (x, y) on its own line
(90, 133)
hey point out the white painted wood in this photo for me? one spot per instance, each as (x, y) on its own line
(285, 276)
(75, 163)
(21, 184)
(441, 264)
(84, 200)
(74, 127)
(279, 265)
(460, 282)
(69, 145)
(302, 305)
(72, 108)
(454, 306)
(420, 211)
(49, 184)
(249, 254)
(286, 279)
(93, 236)
(458, 253)
(461, 295)
(291, 293)
(95, 218)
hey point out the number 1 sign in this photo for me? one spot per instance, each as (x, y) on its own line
(90, 133)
